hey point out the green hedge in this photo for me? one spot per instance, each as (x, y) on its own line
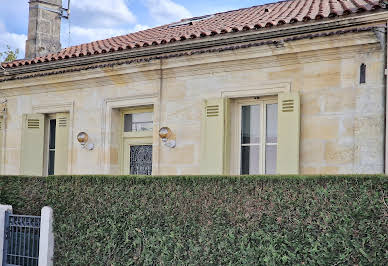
(210, 220)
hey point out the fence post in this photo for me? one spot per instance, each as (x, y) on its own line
(3, 210)
(46, 242)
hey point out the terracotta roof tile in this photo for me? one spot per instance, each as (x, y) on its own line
(245, 19)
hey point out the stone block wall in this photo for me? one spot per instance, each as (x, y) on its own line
(342, 121)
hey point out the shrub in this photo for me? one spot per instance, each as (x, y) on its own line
(102, 220)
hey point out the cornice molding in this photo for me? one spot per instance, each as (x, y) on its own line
(252, 60)
(265, 89)
(307, 43)
(227, 39)
(53, 108)
(131, 100)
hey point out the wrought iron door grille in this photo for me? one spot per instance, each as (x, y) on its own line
(21, 240)
(141, 160)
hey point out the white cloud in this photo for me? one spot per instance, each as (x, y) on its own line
(81, 35)
(101, 13)
(140, 27)
(15, 41)
(2, 27)
(92, 20)
(166, 11)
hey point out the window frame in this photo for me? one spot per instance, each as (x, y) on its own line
(135, 134)
(128, 139)
(235, 158)
(46, 156)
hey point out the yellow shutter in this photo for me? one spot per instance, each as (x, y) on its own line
(32, 149)
(213, 137)
(227, 136)
(61, 144)
(288, 133)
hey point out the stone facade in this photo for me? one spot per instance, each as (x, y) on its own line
(342, 121)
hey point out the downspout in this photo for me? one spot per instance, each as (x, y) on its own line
(3, 144)
(385, 99)
(381, 34)
(4, 137)
(160, 111)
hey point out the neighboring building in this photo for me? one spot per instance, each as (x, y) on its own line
(295, 87)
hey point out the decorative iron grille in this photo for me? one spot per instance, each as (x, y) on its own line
(21, 240)
(141, 160)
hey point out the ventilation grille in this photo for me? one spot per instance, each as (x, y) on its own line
(212, 110)
(62, 122)
(288, 106)
(33, 123)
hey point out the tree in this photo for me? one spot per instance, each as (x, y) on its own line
(9, 55)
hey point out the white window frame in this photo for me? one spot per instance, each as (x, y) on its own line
(236, 131)
(128, 139)
(52, 110)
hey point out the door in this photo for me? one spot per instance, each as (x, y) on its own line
(137, 132)
(137, 157)
(254, 136)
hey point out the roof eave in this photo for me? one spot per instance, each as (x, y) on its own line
(199, 43)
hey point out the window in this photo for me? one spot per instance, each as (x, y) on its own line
(255, 139)
(362, 74)
(51, 146)
(137, 127)
(138, 122)
(45, 139)
(56, 144)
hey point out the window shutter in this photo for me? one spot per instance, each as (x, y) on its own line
(227, 135)
(32, 149)
(214, 139)
(288, 133)
(61, 144)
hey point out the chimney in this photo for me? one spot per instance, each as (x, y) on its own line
(44, 27)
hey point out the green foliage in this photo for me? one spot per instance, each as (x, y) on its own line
(210, 220)
(9, 55)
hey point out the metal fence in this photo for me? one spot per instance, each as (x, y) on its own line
(21, 246)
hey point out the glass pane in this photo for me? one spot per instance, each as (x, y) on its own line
(272, 123)
(141, 160)
(51, 162)
(270, 159)
(250, 124)
(250, 156)
(53, 124)
(138, 122)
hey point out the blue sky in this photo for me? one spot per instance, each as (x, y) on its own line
(99, 19)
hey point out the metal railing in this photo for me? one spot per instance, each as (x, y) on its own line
(21, 245)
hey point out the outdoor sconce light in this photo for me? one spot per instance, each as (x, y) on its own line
(82, 138)
(167, 137)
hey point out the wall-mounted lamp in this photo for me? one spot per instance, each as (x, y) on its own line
(83, 138)
(167, 137)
